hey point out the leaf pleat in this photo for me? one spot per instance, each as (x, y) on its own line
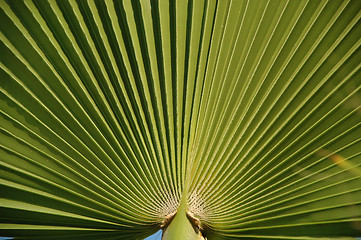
(112, 111)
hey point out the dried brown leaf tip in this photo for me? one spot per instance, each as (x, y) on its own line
(341, 161)
(197, 223)
(167, 219)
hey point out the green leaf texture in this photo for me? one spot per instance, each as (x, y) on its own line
(111, 111)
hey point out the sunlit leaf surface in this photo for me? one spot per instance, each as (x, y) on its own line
(111, 111)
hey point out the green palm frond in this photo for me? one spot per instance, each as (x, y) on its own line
(239, 119)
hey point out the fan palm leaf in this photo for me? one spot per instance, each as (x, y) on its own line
(209, 119)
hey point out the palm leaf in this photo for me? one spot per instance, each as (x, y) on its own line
(117, 116)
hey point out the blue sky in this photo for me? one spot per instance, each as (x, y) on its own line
(155, 236)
